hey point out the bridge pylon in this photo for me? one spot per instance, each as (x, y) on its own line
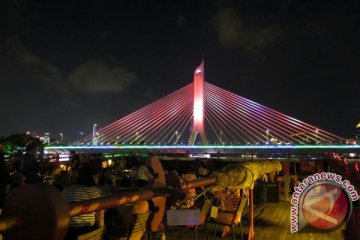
(198, 108)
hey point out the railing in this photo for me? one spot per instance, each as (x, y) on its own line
(42, 212)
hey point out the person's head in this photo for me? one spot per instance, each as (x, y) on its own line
(18, 153)
(17, 180)
(122, 163)
(76, 157)
(93, 156)
(86, 176)
(31, 148)
(107, 177)
(188, 169)
(136, 162)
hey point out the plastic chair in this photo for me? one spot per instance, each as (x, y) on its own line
(97, 234)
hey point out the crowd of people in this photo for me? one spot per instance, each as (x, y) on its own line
(87, 179)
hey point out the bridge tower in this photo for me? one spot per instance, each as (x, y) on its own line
(94, 137)
(198, 109)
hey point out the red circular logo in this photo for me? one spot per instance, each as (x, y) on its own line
(325, 206)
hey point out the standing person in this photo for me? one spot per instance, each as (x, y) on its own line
(75, 165)
(17, 159)
(29, 166)
(141, 174)
(95, 164)
(85, 189)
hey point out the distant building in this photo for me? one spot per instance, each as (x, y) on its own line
(45, 139)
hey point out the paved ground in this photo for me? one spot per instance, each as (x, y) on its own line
(272, 222)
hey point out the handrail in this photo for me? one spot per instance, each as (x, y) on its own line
(97, 204)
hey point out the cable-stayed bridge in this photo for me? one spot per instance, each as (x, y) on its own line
(203, 116)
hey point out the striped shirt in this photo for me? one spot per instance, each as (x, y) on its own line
(79, 193)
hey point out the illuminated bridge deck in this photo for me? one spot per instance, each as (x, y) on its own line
(272, 222)
(212, 148)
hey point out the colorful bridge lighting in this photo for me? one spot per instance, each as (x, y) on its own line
(228, 119)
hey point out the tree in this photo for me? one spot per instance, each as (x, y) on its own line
(19, 141)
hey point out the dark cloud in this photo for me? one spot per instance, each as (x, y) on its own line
(232, 32)
(22, 66)
(96, 76)
(92, 76)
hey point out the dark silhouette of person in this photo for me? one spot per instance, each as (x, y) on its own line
(75, 160)
(17, 159)
(75, 165)
(84, 189)
(5, 179)
(29, 166)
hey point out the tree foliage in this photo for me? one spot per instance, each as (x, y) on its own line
(18, 141)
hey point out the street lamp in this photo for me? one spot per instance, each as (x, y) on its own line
(94, 137)
(316, 136)
(176, 136)
(62, 137)
(267, 136)
(221, 134)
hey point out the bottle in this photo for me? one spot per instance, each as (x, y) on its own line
(163, 236)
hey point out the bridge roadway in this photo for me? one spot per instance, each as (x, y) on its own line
(216, 149)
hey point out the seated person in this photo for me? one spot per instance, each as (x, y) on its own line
(141, 174)
(120, 220)
(107, 181)
(84, 189)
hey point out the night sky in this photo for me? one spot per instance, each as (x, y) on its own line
(65, 65)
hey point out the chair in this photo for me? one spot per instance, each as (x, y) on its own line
(157, 211)
(139, 227)
(97, 234)
(230, 217)
(204, 213)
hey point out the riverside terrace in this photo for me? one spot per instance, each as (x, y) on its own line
(269, 218)
(271, 221)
